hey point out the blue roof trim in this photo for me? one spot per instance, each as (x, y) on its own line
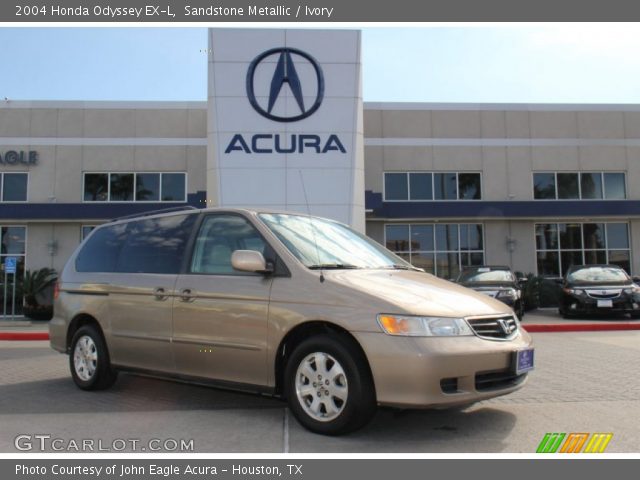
(90, 210)
(502, 209)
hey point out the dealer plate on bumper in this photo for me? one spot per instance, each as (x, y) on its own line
(605, 303)
(523, 361)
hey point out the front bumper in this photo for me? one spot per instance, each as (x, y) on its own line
(421, 372)
(586, 305)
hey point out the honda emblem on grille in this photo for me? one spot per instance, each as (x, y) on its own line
(504, 325)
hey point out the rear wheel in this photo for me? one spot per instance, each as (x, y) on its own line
(89, 360)
(328, 385)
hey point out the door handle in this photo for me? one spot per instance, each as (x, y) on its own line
(160, 294)
(186, 295)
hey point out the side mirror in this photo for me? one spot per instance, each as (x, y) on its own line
(523, 280)
(250, 261)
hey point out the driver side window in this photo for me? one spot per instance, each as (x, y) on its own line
(218, 238)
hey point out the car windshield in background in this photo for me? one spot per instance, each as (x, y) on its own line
(321, 243)
(485, 276)
(598, 275)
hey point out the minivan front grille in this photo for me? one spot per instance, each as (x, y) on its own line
(494, 328)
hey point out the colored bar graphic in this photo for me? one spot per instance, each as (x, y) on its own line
(574, 442)
(598, 443)
(550, 443)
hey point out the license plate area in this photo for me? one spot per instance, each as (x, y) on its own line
(523, 361)
(605, 303)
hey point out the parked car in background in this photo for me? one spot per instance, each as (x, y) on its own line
(598, 289)
(498, 282)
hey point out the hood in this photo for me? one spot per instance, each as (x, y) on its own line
(416, 293)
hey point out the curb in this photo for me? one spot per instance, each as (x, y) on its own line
(534, 328)
(580, 327)
(24, 335)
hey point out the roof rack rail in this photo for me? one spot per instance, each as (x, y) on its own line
(155, 212)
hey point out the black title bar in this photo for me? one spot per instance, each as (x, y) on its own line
(329, 11)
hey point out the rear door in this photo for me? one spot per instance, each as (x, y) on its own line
(142, 291)
(220, 314)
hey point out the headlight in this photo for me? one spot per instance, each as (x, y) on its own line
(634, 289)
(423, 326)
(573, 291)
(511, 292)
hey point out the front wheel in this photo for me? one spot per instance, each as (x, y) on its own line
(329, 386)
(89, 360)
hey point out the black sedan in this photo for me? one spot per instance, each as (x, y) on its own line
(496, 281)
(600, 290)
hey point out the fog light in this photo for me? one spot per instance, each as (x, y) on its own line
(636, 306)
(574, 306)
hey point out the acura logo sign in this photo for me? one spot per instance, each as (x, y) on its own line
(289, 62)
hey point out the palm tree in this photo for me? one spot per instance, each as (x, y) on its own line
(36, 282)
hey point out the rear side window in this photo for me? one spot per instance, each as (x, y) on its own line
(156, 245)
(100, 252)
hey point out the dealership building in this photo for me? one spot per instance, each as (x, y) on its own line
(536, 187)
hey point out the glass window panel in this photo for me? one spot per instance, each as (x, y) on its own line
(546, 236)
(593, 234)
(595, 257)
(86, 230)
(218, 238)
(568, 186)
(445, 186)
(447, 265)
(591, 185)
(471, 237)
(121, 187)
(100, 253)
(447, 237)
(397, 238)
(13, 240)
(544, 186)
(614, 186)
(470, 259)
(469, 186)
(173, 187)
(156, 245)
(395, 186)
(548, 264)
(96, 187)
(147, 187)
(622, 258)
(617, 235)
(14, 188)
(420, 186)
(568, 259)
(422, 237)
(423, 260)
(570, 236)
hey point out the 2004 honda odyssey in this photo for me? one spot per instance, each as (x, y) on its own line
(284, 304)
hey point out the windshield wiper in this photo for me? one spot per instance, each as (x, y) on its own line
(396, 266)
(332, 266)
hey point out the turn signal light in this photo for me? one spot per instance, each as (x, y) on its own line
(56, 290)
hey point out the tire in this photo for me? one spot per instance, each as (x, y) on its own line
(347, 399)
(89, 360)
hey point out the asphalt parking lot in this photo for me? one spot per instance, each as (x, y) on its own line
(583, 382)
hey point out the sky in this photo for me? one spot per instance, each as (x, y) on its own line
(556, 63)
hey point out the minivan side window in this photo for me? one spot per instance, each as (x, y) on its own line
(218, 238)
(156, 245)
(101, 250)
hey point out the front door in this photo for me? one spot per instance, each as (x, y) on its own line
(220, 314)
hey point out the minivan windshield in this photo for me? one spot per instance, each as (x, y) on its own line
(321, 243)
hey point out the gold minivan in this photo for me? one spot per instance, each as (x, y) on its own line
(283, 304)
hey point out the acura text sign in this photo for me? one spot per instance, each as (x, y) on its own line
(285, 121)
